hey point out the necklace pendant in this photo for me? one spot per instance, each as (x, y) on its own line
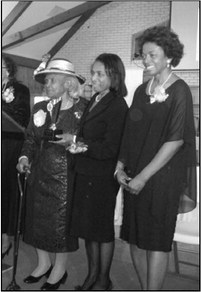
(50, 106)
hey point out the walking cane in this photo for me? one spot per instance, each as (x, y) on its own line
(13, 285)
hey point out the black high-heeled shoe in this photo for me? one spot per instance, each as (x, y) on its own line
(7, 251)
(31, 279)
(80, 288)
(110, 286)
(49, 287)
(84, 287)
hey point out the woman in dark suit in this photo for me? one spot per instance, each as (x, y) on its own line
(16, 104)
(95, 188)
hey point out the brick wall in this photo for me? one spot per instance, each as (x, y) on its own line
(191, 77)
(110, 30)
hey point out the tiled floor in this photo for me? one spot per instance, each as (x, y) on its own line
(122, 273)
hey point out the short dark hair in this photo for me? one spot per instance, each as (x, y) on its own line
(165, 38)
(115, 69)
(10, 66)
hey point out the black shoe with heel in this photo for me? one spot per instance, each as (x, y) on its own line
(49, 287)
(80, 288)
(84, 287)
(7, 251)
(110, 286)
(31, 279)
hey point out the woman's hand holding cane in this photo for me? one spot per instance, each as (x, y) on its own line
(23, 165)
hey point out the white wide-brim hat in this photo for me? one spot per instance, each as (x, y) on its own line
(56, 66)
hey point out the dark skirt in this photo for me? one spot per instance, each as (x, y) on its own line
(93, 208)
(49, 202)
(147, 229)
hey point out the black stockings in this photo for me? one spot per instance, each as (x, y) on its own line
(99, 256)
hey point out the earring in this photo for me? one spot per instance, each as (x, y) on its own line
(168, 63)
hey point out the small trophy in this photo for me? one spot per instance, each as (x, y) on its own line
(50, 134)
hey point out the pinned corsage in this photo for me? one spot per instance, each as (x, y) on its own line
(39, 118)
(42, 65)
(8, 95)
(159, 94)
(78, 114)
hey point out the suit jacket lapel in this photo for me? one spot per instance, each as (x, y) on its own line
(99, 108)
(86, 112)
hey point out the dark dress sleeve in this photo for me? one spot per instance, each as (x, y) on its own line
(182, 127)
(181, 115)
(125, 143)
(33, 134)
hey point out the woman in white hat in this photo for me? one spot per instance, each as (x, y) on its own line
(48, 202)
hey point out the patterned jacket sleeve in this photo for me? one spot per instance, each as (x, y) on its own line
(32, 140)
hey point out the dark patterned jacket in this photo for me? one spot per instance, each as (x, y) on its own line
(18, 108)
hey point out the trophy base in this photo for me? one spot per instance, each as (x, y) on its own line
(50, 135)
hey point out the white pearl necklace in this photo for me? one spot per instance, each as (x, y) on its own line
(159, 94)
(152, 80)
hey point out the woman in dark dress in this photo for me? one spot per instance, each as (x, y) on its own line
(157, 162)
(48, 200)
(95, 188)
(16, 104)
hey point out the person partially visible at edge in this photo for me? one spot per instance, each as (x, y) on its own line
(48, 201)
(95, 188)
(16, 104)
(157, 161)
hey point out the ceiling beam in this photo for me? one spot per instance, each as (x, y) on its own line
(22, 61)
(50, 23)
(14, 15)
(71, 32)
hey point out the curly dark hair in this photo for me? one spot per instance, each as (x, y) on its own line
(10, 66)
(115, 69)
(165, 38)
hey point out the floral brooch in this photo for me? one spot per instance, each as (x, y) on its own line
(159, 94)
(78, 114)
(39, 118)
(8, 95)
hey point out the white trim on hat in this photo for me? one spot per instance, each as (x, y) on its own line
(58, 66)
